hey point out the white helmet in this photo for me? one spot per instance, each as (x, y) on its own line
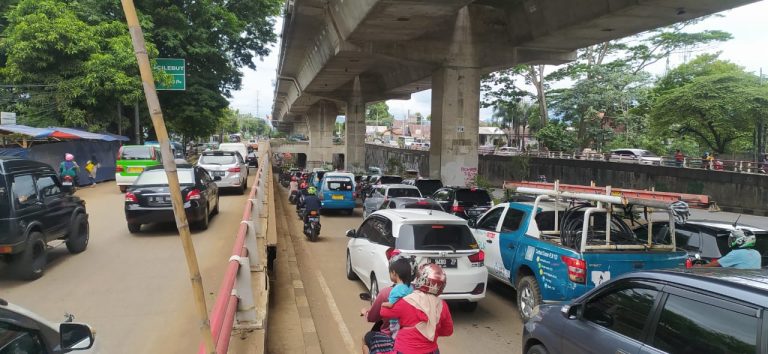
(741, 239)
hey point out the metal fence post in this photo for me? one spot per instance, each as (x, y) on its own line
(246, 317)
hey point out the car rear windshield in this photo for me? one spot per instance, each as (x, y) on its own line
(477, 196)
(390, 179)
(340, 185)
(403, 192)
(436, 237)
(5, 195)
(428, 186)
(158, 178)
(136, 153)
(217, 159)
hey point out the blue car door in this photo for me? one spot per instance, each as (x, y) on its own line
(513, 227)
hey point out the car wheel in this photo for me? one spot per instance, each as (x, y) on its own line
(30, 263)
(528, 296)
(203, 224)
(78, 235)
(374, 287)
(134, 228)
(350, 212)
(469, 306)
(350, 273)
(245, 182)
(537, 349)
(216, 208)
(242, 189)
(123, 189)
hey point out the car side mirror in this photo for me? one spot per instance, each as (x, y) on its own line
(472, 222)
(351, 233)
(75, 336)
(217, 178)
(570, 312)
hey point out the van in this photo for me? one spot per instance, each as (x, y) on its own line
(239, 147)
(337, 191)
(132, 160)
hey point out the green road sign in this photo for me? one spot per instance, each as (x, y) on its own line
(177, 69)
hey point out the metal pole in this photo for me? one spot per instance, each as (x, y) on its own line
(170, 169)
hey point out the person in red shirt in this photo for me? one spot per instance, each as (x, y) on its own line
(422, 315)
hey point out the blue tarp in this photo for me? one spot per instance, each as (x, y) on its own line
(59, 132)
(117, 137)
(36, 133)
(86, 135)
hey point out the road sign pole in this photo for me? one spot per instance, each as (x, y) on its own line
(170, 169)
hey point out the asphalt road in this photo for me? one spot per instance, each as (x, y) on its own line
(495, 326)
(133, 289)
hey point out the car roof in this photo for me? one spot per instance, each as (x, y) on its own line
(219, 152)
(419, 216)
(13, 164)
(411, 200)
(398, 185)
(182, 166)
(723, 225)
(749, 285)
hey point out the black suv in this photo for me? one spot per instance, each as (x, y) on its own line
(701, 310)
(464, 202)
(425, 186)
(33, 212)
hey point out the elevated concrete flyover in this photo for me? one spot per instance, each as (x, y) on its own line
(338, 55)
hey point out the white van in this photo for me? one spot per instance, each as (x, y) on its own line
(239, 147)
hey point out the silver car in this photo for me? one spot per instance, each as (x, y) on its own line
(226, 167)
(380, 193)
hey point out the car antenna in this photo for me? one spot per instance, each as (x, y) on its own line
(737, 221)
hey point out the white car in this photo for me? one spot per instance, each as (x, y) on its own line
(22, 331)
(380, 193)
(423, 236)
(643, 157)
(241, 148)
(228, 169)
(508, 151)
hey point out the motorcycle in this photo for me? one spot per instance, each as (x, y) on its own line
(312, 226)
(68, 184)
(293, 198)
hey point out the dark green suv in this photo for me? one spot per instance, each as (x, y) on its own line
(35, 215)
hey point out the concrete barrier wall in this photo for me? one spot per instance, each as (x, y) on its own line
(732, 191)
(378, 156)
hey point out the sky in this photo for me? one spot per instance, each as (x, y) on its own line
(748, 48)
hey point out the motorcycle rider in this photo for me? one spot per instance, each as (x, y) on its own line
(311, 203)
(69, 168)
(293, 188)
(742, 254)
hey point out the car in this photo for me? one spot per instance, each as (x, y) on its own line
(228, 166)
(425, 186)
(681, 311)
(508, 151)
(337, 191)
(464, 202)
(253, 158)
(423, 236)
(22, 331)
(704, 238)
(149, 201)
(241, 148)
(643, 157)
(36, 215)
(132, 160)
(411, 203)
(380, 193)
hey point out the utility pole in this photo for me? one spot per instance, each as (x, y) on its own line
(156, 113)
(119, 118)
(136, 123)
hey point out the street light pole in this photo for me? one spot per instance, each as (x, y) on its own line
(182, 224)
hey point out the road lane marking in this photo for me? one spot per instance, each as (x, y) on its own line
(345, 334)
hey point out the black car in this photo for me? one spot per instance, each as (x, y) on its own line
(700, 310)
(148, 200)
(253, 159)
(463, 202)
(707, 239)
(34, 211)
(425, 186)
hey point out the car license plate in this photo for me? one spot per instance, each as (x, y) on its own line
(66, 184)
(337, 197)
(135, 169)
(218, 173)
(445, 262)
(165, 199)
(313, 219)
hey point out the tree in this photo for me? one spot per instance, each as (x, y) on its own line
(712, 101)
(514, 118)
(378, 113)
(557, 136)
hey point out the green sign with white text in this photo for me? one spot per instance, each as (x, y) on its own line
(177, 69)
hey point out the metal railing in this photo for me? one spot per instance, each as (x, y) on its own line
(237, 305)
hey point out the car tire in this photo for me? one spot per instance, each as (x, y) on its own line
(30, 263)
(537, 349)
(241, 191)
(134, 228)
(216, 208)
(123, 189)
(528, 296)
(245, 182)
(203, 224)
(350, 272)
(350, 212)
(77, 241)
(469, 306)
(374, 289)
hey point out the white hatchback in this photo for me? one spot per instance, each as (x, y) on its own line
(423, 236)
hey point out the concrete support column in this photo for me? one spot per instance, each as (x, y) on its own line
(354, 158)
(456, 109)
(322, 120)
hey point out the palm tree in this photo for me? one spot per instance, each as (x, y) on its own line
(514, 115)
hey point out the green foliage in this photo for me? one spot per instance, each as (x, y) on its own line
(557, 137)
(394, 166)
(379, 113)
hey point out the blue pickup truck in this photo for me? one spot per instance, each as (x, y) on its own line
(539, 248)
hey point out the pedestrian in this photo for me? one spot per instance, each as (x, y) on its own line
(92, 167)
(710, 161)
(705, 160)
(679, 158)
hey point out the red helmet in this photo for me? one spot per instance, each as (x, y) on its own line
(430, 279)
(293, 178)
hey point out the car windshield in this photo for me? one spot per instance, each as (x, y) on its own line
(217, 159)
(390, 179)
(436, 237)
(136, 153)
(5, 207)
(403, 192)
(645, 153)
(473, 196)
(341, 184)
(158, 178)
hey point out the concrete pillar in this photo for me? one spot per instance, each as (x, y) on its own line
(354, 158)
(322, 120)
(456, 109)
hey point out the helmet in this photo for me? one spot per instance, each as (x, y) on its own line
(69, 157)
(293, 178)
(311, 190)
(430, 279)
(741, 239)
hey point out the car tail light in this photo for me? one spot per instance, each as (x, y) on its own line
(391, 252)
(456, 208)
(577, 269)
(131, 198)
(313, 213)
(193, 195)
(234, 169)
(119, 168)
(478, 289)
(477, 259)
(422, 202)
